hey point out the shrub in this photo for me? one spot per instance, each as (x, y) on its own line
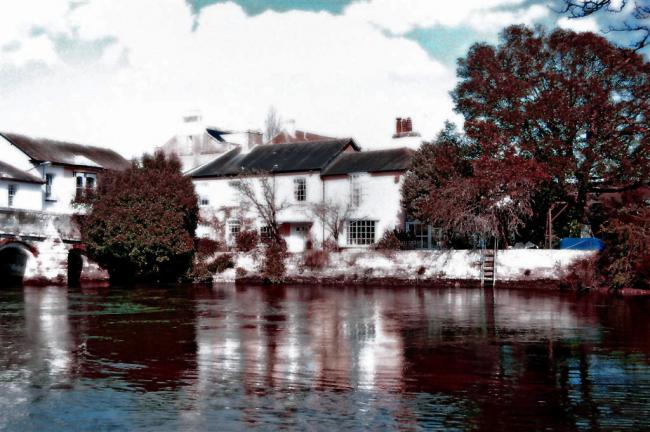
(246, 240)
(389, 241)
(330, 245)
(199, 272)
(206, 247)
(274, 266)
(140, 224)
(221, 263)
(316, 259)
(240, 272)
(581, 275)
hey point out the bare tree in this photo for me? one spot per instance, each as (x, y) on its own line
(265, 202)
(333, 216)
(634, 16)
(272, 124)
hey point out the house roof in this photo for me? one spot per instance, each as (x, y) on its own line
(65, 153)
(298, 136)
(371, 161)
(10, 172)
(306, 156)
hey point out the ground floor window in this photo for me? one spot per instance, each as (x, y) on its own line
(361, 232)
(422, 236)
(265, 233)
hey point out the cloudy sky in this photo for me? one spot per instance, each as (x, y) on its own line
(121, 73)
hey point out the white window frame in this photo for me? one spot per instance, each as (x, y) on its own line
(234, 228)
(361, 232)
(204, 201)
(82, 187)
(300, 189)
(12, 189)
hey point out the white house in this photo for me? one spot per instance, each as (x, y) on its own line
(364, 187)
(46, 175)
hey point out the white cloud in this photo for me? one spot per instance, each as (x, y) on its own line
(587, 24)
(399, 16)
(334, 74)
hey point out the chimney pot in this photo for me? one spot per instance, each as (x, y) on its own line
(409, 125)
(398, 126)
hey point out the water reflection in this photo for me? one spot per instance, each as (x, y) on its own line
(309, 357)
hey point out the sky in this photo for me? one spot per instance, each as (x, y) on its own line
(121, 73)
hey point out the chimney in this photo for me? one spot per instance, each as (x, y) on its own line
(404, 128)
(254, 138)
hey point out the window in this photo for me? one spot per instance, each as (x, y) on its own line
(49, 178)
(233, 228)
(85, 182)
(355, 190)
(265, 233)
(361, 232)
(204, 202)
(11, 189)
(300, 189)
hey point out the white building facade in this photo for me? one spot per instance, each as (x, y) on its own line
(360, 188)
(46, 175)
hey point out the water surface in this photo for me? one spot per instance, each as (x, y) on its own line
(297, 358)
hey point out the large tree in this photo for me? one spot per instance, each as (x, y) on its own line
(140, 224)
(573, 103)
(456, 186)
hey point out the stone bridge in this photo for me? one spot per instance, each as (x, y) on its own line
(43, 249)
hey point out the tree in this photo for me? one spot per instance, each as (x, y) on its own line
(333, 216)
(456, 186)
(574, 104)
(263, 199)
(272, 124)
(633, 16)
(140, 224)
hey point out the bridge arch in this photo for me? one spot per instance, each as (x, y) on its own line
(14, 258)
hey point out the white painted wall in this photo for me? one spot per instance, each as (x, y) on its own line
(380, 202)
(64, 188)
(28, 195)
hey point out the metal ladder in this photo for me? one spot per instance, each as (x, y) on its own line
(489, 264)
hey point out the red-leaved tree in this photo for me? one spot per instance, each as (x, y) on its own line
(140, 224)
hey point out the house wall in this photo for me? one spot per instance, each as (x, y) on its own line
(64, 188)
(28, 195)
(380, 200)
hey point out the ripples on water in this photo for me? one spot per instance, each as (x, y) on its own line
(321, 359)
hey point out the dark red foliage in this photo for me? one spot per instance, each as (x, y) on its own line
(389, 241)
(582, 275)
(221, 263)
(316, 259)
(206, 247)
(247, 240)
(573, 103)
(274, 267)
(141, 222)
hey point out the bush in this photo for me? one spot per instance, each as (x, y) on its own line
(274, 266)
(240, 272)
(316, 259)
(199, 272)
(246, 240)
(389, 242)
(582, 275)
(140, 224)
(206, 247)
(330, 245)
(221, 263)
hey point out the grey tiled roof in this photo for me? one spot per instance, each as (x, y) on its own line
(285, 158)
(371, 161)
(10, 172)
(65, 153)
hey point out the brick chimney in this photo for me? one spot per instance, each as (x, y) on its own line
(404, 128)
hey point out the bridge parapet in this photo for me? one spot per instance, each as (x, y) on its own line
(39, 225)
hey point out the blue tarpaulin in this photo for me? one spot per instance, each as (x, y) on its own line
(589, 243)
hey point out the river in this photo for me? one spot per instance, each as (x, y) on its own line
(313, 358)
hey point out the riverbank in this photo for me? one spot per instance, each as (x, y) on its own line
(515, 268)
